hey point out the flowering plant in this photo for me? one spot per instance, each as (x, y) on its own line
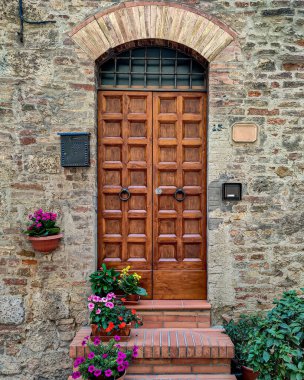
(42, 224)
(128, 283)
(104, 281)
(110, 314)
(105, 360)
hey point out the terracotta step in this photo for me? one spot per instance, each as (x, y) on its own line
(170, 343)
(180, 377)
(174, 313)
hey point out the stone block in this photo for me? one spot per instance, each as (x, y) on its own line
(11, 310)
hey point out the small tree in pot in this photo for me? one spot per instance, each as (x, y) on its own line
(104, 281)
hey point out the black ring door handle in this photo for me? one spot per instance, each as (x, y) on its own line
(178, 192)
(123, 191)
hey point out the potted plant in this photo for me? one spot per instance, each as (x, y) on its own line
(42, 231)
(129, 285)
(276, 346)
(239, 334)
(104, 281)
(105, 361)
(110, 317)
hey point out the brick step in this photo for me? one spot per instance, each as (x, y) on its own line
(170, 343)
(174, 313)
(177, 377)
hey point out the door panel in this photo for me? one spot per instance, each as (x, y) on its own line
(129, 158)
(125, 161)
(179, 237)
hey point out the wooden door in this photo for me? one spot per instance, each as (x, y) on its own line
(125, 161)
(152, 170)
(179, 227)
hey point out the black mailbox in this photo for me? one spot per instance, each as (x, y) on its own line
(75, 149)
(232, 191)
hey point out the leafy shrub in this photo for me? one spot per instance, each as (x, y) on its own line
(104, 281)
(239, 334)
(276, 346)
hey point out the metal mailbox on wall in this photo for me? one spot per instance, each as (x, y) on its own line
(75, 149)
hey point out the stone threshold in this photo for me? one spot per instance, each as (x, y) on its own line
(171, 305)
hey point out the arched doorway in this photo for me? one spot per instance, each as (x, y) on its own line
(106, 34)
(152, 106)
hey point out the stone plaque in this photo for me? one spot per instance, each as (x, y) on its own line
(244, 132)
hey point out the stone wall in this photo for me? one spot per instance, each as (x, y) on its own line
(47, 85)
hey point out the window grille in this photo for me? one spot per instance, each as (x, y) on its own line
(152, 68)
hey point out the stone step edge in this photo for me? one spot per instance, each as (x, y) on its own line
(169, 305)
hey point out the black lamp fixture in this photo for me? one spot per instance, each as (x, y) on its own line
(232, 191)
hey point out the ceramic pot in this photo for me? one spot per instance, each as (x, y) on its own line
(249, 374)
(45, 244)
(132, 299)
(105, 337)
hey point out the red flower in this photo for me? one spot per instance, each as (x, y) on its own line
(123, 300)
(133, 311)
(122, 325)
(110, 327)
(120, 318)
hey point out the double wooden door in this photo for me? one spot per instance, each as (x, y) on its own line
(152, 189)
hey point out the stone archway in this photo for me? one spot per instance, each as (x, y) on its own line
(133, 21)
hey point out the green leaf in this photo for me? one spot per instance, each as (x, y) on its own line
(266, 356)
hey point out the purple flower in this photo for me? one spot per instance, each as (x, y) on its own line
(110, 305)
(97, 372)
(84, 343)
(79, 361)
(91, 306)
(39, 225)
(104, 356)
(76, 375)
(121, 355)
(126, 364)
(117, 345)
(91, 369)
(117, 338)
(120, 368)
(91, 355)
(30, 216)
(119, 361)
(135, 354)
(86, 337)
(108, 373)
(96, 341)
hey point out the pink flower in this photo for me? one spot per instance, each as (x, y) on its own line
(98, 311)
(104, 356)
(97, 372)
(108, 373)
(104, 299)
(120, 368)
(39, 225)
(96, 341)
(110, 305)
(30, 216)
(117, 338)
(90, 298)
(91, 306)
(110, 296)
(91, 369)
(91, 355)
(95, 299)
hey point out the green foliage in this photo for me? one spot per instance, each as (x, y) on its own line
(239, 334)
(275, 348)
(104, 281)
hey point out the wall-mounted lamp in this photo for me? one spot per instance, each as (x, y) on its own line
(232, 191)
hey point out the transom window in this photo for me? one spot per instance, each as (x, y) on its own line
(152, 68)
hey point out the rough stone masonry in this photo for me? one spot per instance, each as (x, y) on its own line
(47, 85)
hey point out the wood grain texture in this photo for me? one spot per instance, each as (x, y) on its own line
(147, 141)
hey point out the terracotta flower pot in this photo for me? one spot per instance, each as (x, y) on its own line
(132, 299)
(102, 377)
(45, 244)
(249, 374)
(105, 336)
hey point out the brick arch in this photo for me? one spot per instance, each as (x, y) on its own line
(134, 21)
